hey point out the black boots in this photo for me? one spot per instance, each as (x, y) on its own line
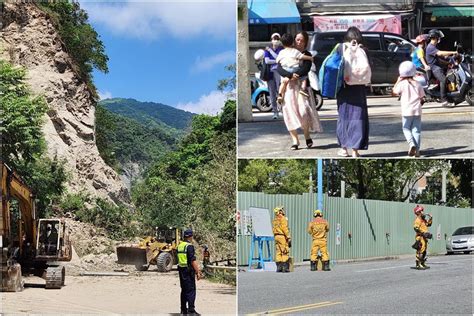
(326, 266)
(313, 266)
(283, 266)
(279, 266)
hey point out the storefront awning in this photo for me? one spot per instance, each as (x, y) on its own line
(273, 12)
(451, 11)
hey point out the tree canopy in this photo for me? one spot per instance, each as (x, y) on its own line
(23, 143)
(81, 40)
(379, 179)
(194, 185)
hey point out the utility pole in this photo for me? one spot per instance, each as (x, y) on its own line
(244, 108)
(320, 183)
(443, 186)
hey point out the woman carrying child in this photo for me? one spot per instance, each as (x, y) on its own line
(297, 112)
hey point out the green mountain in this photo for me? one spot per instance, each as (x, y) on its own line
(131, 135)
(149, 112)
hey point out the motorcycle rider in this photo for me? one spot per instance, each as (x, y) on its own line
(418, 56)
(435, 59)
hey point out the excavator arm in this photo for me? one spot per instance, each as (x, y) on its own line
(13, 187)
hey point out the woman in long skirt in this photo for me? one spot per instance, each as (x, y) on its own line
(298, 112)
(353, 116)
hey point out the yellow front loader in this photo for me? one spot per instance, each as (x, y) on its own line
(159, 250)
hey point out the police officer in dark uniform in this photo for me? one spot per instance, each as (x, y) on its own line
(188, 273)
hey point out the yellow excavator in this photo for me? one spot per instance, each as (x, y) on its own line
(29, 245)
(159, 250)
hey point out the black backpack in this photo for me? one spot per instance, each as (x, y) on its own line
(265, 72)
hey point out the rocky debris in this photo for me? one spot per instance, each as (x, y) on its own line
(93, 249)
(28, 38)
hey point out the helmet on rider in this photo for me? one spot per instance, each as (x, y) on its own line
(418, 209)
(434, 33)
(317, 213)
(422, 38)
(279, 209)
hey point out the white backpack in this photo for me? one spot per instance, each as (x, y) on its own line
(356, 65)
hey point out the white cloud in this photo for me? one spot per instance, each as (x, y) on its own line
(105, 95)
(207, 63)
(150, 19)
(211, 103)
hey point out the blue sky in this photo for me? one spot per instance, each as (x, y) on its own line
(172, 52)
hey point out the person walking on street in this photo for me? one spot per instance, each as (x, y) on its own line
(353, 117)
(273, 83)
(188, 270)
(411, 97)
(318, 228)
(282, 240)
(436, 61)
(300, 110)
(422, 222)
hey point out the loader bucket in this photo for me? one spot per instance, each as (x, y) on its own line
(131, 255)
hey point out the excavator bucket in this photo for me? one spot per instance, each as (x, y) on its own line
(132, 255)
(11, 278)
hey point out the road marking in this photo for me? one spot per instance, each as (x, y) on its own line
(409, 265)
(296, 308)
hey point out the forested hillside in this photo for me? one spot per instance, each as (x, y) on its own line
(194, 185)
(149, 112)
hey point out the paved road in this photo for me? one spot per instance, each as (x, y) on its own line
(140, 293)
(446, 132)
(376, 287)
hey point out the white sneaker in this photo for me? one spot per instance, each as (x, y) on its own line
(447, 104)
(275, 116)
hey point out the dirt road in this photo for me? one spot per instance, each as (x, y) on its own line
(139, 293)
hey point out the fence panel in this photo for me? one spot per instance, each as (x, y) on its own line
(376, 228)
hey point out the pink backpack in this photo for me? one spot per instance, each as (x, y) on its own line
(356, 64)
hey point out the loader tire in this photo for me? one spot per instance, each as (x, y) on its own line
(164, 262)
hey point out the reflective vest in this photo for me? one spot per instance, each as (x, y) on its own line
(182, 255)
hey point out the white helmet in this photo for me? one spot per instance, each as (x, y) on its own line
(259, 55)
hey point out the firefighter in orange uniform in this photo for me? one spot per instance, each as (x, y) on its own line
(422, 222)
(318, 228)
(282, 240)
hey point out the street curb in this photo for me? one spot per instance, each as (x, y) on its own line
(347, 261)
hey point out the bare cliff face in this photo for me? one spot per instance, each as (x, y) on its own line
(28, 38)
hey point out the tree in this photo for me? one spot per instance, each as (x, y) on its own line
(289, 176)
(228, 84)
(23, 144)
(461, 170)
(384, 179)
(22, 118)
(81, 40)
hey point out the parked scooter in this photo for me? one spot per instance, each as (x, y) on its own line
(260, 94)
(314, 84)
(260, 97)
(458, 83)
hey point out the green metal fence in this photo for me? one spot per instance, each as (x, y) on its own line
(377, 228)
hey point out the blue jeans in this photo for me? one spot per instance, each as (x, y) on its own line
(412, 130)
